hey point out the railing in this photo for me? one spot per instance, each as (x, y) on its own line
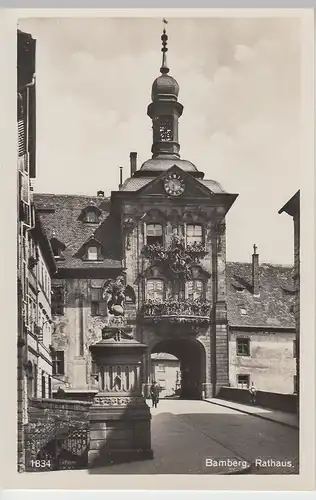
(182, 311)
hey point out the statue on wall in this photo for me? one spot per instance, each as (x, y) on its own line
(114, 293)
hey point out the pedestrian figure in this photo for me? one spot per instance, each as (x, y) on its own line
(154, 394)
(253, 393)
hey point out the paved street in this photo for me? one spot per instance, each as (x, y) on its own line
(186, 433)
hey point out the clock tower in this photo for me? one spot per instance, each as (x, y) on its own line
(174, 251)
(165, 110)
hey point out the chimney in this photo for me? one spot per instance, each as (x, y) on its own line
(255, 272)
(121, 177)
(133, 162)
(100, 194)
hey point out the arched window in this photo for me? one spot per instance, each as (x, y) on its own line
(195, 289)
(93, 253)
(154, 234)
(194, 234)
(155, 289)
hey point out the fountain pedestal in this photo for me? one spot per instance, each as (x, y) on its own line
(120, 419)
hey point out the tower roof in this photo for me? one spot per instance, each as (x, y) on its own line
(165, 84)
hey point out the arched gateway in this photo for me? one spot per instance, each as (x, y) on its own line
(191, 354)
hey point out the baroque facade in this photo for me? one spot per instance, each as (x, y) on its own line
(163, 231)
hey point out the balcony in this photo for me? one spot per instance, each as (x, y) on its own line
(196, 312)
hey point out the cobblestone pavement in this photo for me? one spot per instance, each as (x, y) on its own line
(186, 433)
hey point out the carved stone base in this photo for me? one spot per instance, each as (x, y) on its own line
(119, 429)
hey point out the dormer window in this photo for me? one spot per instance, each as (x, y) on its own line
(92, 253)
(154, 234)
(90, 215)
(58, 247)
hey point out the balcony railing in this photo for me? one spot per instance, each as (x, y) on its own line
(176, 311)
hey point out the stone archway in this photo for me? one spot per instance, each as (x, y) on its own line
(192, 357)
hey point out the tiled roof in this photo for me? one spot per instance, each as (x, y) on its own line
(60, 217)
(135, 183)
(274, 305)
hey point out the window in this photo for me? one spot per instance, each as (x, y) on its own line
(43, 386)
(161, 368)
(194, 234)
(93, 253)
(96, 298)
(49, 387)
(58, 363)
(178, 290)
(91, 216)
(56, 251)
(243, 381)
(35, 380)
(154, 234)
(243, 347)
(195, 289)
(95, 309)
(294, 349)
(155, 289)
(57, 300)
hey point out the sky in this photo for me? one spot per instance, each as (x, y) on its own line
(240, 87)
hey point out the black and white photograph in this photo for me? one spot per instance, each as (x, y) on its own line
(158, 241)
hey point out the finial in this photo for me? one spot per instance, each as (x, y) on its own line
(255, 249)
(164, 38)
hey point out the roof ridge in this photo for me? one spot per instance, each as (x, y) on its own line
(74, 195)
(287, 266)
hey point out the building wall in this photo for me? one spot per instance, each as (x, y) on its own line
(167, 374)
(75, 331)
(271, 365)
(39, 331)
(297, 287)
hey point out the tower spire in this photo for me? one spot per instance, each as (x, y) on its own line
(164, 38)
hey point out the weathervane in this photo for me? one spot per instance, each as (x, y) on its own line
(164, 38)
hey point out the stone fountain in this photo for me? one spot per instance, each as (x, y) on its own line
(120, 419)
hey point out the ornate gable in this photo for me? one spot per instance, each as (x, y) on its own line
(175, 184)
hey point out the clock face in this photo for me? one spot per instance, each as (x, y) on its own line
(174, 185)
